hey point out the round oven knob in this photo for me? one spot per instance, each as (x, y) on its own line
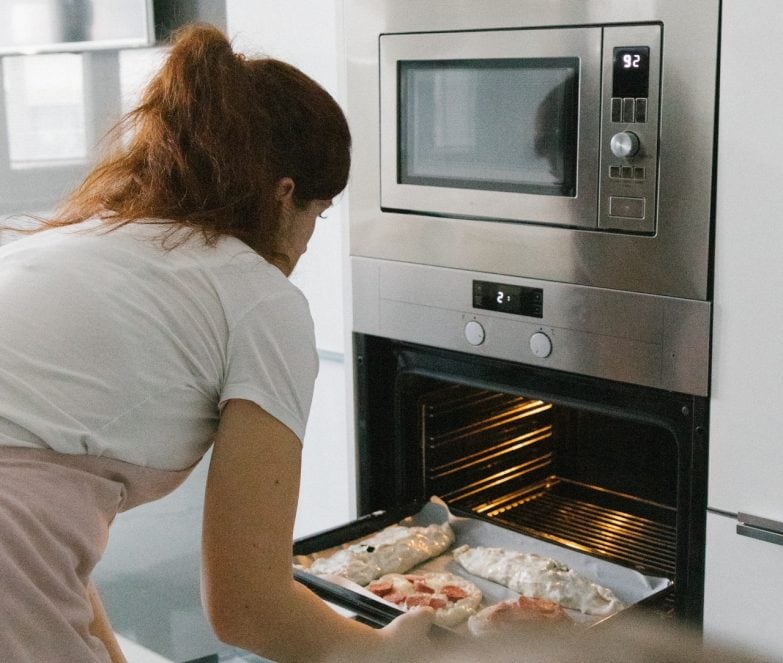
(540, 345)
(474, 332)
(624, 144)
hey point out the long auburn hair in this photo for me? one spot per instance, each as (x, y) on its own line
(213, 134)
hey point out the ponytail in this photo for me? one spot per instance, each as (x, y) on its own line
(212, 135)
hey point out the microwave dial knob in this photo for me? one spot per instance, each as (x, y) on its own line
(474, 332)
(541, 345)
(624, 144)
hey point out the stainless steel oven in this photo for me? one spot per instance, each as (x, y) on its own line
(532, 330)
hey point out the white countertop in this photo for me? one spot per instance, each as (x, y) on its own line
(136, 653)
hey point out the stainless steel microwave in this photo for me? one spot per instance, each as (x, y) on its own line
(550, 141)
(550, 126)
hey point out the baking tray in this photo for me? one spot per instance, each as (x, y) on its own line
(631, 587)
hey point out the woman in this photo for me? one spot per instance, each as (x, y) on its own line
(153, 318)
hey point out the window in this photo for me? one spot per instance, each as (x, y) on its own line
(45, 114)
(54, 110)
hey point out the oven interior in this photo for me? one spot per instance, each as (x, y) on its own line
(611, 470)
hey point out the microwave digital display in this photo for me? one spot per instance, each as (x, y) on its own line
(631, 71)
(489, 124)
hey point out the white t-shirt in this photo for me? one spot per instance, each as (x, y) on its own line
(111, 345)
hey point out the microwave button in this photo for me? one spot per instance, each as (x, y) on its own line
(641, 110)
(617, 109)
(614, 172)
(624, 144)
(638, 173)
(627, 208)
(627, 173)
(628, 109)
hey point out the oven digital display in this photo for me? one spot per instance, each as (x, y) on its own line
(507, 298)
(631, 76)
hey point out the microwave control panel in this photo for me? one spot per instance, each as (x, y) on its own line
(629, 128)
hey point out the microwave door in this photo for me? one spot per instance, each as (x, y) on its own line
(499, 125)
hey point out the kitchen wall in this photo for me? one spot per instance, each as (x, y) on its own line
(306, 33)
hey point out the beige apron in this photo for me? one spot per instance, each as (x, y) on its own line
(55, 512)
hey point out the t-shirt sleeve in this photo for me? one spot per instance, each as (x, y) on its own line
(272, 361)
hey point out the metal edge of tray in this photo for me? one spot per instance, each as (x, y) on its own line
(362, 526)
(364, 608)
(369, 610)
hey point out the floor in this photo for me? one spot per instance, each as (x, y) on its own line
(149, 576)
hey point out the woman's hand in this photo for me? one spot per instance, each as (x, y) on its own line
(406, 638)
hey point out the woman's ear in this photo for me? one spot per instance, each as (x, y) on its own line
(284, 191)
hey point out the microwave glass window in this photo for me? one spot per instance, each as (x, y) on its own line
(495, 124)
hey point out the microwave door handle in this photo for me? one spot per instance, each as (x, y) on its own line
(763, 529)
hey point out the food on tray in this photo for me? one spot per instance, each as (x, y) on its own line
(538, 577)
(396, 549)
(507, 617)
(453, 597)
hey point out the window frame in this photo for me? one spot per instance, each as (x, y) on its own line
(41, 188)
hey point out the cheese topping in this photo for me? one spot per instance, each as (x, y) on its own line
(540, 577)
(395, 549)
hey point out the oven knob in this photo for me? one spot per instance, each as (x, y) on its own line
(540, 345)
(474, 332)
(624, 144)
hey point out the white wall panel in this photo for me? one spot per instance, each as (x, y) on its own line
(743, 586)
(307, 34)
(743, 582)
(746, 464)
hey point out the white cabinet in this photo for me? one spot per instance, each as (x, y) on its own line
(744, 583)
(743, 578)
(747, 374)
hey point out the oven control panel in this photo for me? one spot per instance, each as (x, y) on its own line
(508, 298)
(625, 336)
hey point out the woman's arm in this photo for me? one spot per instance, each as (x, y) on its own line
(249, 593)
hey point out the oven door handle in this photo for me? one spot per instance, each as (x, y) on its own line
(763, 529)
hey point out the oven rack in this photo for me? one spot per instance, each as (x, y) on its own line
(616, 527)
